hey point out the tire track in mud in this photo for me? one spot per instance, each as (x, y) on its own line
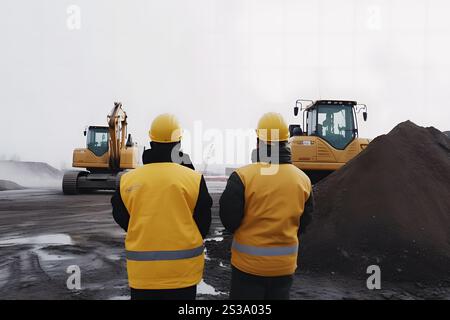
(39, 271)
(27, 275)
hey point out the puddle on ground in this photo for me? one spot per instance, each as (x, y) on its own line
(58, 239)
(45, 257)
(204, 288)
(39, 243)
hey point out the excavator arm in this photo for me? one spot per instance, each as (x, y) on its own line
(117, 122)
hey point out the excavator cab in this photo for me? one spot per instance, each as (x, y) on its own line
(97, 140)
(328, 138)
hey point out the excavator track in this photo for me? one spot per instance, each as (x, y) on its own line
(76, 182)
(70, 182)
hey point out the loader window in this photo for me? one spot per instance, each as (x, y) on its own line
(97, 140)
(335, 124)
(311, 123)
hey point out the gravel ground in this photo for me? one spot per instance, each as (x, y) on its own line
(43, 233)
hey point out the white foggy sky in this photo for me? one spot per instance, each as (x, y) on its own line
(225, 62)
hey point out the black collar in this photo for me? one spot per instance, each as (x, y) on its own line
(264, 154)
(162, 152)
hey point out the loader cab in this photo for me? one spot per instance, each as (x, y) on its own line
(97, 140)
(333, 121)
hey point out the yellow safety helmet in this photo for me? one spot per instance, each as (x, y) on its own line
(165, 129)
(272, 127)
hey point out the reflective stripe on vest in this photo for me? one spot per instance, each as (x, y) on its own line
(164, 255)
(265, 251)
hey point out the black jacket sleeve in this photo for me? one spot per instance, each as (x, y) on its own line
(306, 217)
(202, 211)
(120, 212)
(232, 203)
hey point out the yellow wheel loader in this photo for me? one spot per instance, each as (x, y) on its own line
(328, 138)
(108, 153)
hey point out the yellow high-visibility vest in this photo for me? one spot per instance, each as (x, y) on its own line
(266, 242)
(164, 247)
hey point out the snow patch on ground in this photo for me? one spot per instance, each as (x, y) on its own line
(114, 257)
(204, 288)
(217, 239)
(206, 255)
(120, 298)
(40, 243)
(46, 239)
(45, 257)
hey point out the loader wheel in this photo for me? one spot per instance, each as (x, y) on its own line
(70, 181)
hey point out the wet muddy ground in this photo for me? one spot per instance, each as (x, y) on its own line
(42, 233)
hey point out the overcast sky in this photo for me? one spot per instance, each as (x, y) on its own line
(224, 62)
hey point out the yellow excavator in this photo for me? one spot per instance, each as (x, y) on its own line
(328, 138)
(109, 152)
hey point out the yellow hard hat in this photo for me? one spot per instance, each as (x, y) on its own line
(272, 127)
(165, 129)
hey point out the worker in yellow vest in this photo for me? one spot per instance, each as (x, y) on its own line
(165, 208)
(266, 205)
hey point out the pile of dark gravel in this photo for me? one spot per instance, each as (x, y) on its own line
(389, 206)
